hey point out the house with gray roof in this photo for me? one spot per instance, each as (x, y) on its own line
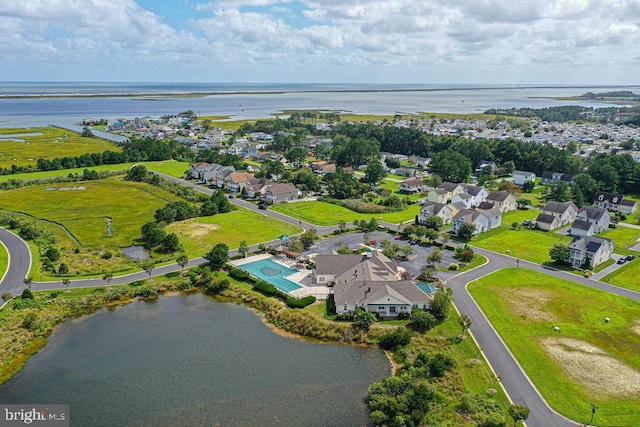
(502, 200)
(438, 195)
(520, 177)
(589, 251)
(413, 185)
(482, 220)
(582, 228)
(628, 206)
(435, 209)
(452, 188)
(464, 199)
(477, 192)
(546, 222)
(610, 201)
(217, 174)
(564, 212)
(599, 217)
(281, 193)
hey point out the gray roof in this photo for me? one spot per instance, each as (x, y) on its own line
(559, 207)
(609, 197)
(628, 202)
(485, 205)
(459, 205)
(464, 195)
(546, 219)
(336, 264)
(432, 208)
(525, 173)
(582, 225)
(467, 215)
(376, 268)
(589, 243)
(364, 293)
(440, 191)
(499, 196)
(449, 186)
(593, 213)
(474, 190)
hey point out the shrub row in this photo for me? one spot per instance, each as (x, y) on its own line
(300, 303)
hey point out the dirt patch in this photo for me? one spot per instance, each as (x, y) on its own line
(593, 368)
(636, 327)
(529, 304)
(199, 230)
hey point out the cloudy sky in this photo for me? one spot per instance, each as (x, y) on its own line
(377, 41)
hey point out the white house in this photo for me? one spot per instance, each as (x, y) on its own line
(610, 201)
(589, 250)
(599, 217)
(547, 222)
(216, 174)
(482, 220)
(520, 177)
(564, 212)
(413, 185)
(582, 228)
(452, 188)
(464, 198)
(435, 209)
(478, 193)
(628, 206)
(236, 181)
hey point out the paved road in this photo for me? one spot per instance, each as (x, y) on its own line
(515, 381)
(19, 263)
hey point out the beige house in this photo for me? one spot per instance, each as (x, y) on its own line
(564, 212)
(590, 251)
(236, 181)
(502, 200)
(439, 195)
(281, 193)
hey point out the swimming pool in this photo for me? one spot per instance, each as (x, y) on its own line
(272, 272)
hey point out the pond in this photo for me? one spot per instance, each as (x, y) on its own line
(138, 253)
(194, 361)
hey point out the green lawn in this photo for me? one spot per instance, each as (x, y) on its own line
(519, 215)
(84, 212)
(323, 213)
(531, 245)
(588, 361)
(199, 235)
(54, 142)
(169, 167)
(623, 238)
(627, 276)
(4, 260)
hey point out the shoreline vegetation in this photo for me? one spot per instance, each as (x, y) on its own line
(276, 92)
(27, 323)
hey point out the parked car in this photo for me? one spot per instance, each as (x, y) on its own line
(621, 261)
(631, 257)
(413, 241)
(263, 207)
(398, 237)
(231, 196)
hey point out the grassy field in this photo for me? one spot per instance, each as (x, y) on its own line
(169, 167)
(531, 245)
(627, 276)
(519, 215)
(323, 213)
(623, 238)
(4, 260)
(199, 235)
(588, 361)
(53, 142)
(84, 212)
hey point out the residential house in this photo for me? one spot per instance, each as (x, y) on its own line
(478, 193)
(485, 165)
(435, 209)
(589, 251)
(452, 188)
(550, 178)
(370, 282)
(520, 177)
(610, 201)
(422, 162)
(482, 220)
(406, 172)
(628, 206)
(281, 193)
(439, 195)
(216, 174)
(236, 181)
(197, 170)
(322, 167)
(547, 222)
(502, 200)
(464, 198)
(564, 212)
(582, 228)
(258, 187)
(599, 217)
(413, 185)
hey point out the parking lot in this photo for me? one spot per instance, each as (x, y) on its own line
(413, 264)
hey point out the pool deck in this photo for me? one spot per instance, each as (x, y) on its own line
(302, 278)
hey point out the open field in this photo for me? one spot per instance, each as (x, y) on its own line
(519, 215)
(169, 167)
(4, 260)
(623, 239)
(199, 235)
(84, 212)
(588, 361)
(53, 142)
(627, 276)
(323, 213)
(531, 245)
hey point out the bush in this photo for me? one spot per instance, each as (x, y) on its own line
(331, 305)
(27, 294)
(403, 316)
(453, 266)
(265, 288)
(106, 255)
(149, 291)
(240, 275)
(216, 286)
(29, 321)
(484, 411)
(395, 339)
(345, 317)
(422, 321)
(300, 303)
(6, 296)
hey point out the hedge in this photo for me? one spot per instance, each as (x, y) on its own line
(265, 288)
(300, 303)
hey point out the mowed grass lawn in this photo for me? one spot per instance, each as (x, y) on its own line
(199, 235)
(519, 215)
(623, 238)
(588, 361)
(323, 213)
(53, 142)
(530, 245)
(84, 212)
(4, 260)
(627, 276)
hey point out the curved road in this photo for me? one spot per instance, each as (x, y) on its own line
(513, 378)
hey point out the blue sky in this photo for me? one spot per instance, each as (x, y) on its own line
(378, 41)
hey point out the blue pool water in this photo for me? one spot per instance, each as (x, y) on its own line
(426, 288)
(272, 272)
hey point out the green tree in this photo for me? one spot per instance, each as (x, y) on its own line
(451, 166)
(422, 321)
(107, 277)
(466, 231)
(518, 413)
(441, 301)
(435, 256)
(27, 294)
(153, 234)
(217, 256)
(136, 173)
(86, 132)
(374, 173)
(558, 192)
(148, 266)
(583, 189)
(465, 323)
(243, 248)
(171, 242)
(308, 238)
(63, 269)
(364, 320)
(559, 253)
(53, 254)
(434, 222)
